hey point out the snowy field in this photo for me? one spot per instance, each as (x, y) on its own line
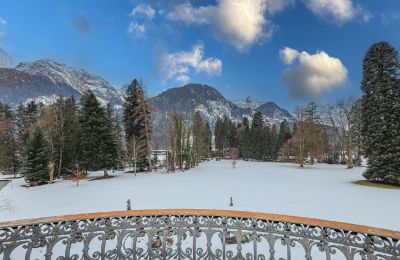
(319, 191)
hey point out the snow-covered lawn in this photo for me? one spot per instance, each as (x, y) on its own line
(319, 191)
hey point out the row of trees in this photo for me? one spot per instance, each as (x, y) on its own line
(326, 133)
(65, 138)
(187, 143)
(257, 140)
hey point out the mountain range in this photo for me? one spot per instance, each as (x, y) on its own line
(45, 80)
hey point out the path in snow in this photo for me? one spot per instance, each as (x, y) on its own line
(319, 191)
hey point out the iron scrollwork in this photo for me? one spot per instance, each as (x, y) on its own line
(189, 237)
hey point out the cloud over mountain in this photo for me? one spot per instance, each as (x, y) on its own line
(313, 74)
(238, 22)
(180, 65)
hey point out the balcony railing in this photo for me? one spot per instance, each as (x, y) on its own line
(193, 234)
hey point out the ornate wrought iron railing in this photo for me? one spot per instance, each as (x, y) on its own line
(193, 234)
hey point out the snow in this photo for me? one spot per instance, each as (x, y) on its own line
(319, 191)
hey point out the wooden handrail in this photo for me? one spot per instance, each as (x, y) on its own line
(207, 212)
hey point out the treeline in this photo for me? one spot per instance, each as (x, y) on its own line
(187, 143)
(324, 133)
(257, 140)
(69, 138)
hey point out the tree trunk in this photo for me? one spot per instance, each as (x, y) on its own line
(60, 161)
(349, 149)
(135, 165)
(51, 171)
(301, 155)
(312, 156)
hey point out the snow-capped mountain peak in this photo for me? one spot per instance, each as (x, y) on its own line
(79, 79)
(249, 102)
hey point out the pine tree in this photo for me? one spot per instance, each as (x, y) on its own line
(118, 134)
(208, 140)
(284, 134)
(9, 159)
(69, 160)
(137, 124)
(274, 141)
(36, 159)
(109, 155)
(220, 137)
(257, 137)
(246, 142)
(198, 137)
(26, 118)
(380, 114)
(91, 121)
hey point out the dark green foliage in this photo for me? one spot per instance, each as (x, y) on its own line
(259, 142)
(284, 134)
(118, 136)
(259, 137)
(26, 117)
(36, 159)
(97, 145)
(72, 137)
(9, 159)
(380, 113)
(137, 124)
(208, 139)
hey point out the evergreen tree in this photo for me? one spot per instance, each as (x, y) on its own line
(26, 118)
(274, 141)
(97, 146)
(220, 137)
(137, 124)
(118, 134)
(246, 142)
(109, 146)
(208, 140)
(380, 114)
(71, 132)
(9, 160)
(36, 159)
(284, 134)
(257, 134)
(198, 137)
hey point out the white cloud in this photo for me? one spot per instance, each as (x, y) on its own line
(180, 65)
(143, 10)
(141, 15)
(275, 6)
(341, 11)
(188, 14)
(314, 74)
(239, 22)
(288, 55)
(138, 30)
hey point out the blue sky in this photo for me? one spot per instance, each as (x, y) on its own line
(287, 51)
